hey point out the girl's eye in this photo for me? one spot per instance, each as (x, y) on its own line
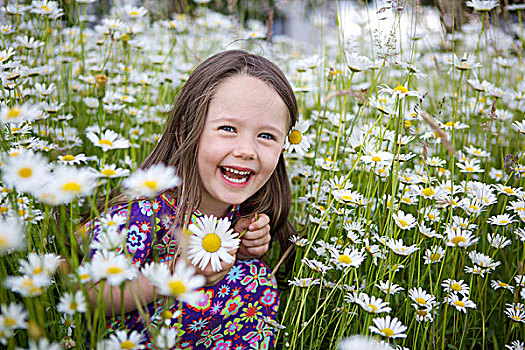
(227, 128)
(267, 136)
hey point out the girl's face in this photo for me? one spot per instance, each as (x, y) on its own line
(241, 142)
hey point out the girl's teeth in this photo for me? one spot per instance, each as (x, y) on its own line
(235, 171)
(239, 181)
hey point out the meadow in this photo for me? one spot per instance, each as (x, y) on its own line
(406, 167)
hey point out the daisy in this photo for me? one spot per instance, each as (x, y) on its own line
(40, 266)
(384, 104)
(304, 282)
(14, 316)
(151, 181)
(372, 304)
(421, 298)
(404, 221)
(167, 338)
(111, 171)
(400, 90)
(517, 344)
(43, 344)
(316, 265)
(27, 286)
(72, 303)
(108, 140)
(519, 126)
(483, 5)
(357, 63)
(470, 166)
(466, 62)
(498, 241)
(379, 157)
(460, 305)
(460, 238)
(66, 183)
(388, 327)
(122, 340)
(296, 141)
(12, 236)
(496, 284)
(516, 315)
(70, 159)
(25, 172)
(435, 161)
(18, 114)
(116, 268)
(433, 255)
(348, 258)
(211, 241)
(482, 260)
(182, 283)
(398, 247)
(428, 232)
(389, 288)
(299, 241)
(453, 286)
(501, 220)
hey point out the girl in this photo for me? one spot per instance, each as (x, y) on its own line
(225, 136)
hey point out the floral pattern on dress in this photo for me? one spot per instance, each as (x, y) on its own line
(226, 316)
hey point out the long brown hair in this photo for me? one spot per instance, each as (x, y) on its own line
(178, 145)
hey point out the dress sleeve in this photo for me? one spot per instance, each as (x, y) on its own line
(144, 224)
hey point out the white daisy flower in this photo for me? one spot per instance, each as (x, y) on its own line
(14, 316)
(116, 268)
(421, 298)
(25, 172)
(70, 159)
(482, 5)
(453, 286)
(67, 183)
(388, 327)
(304, 282)
(122, 340)
(404, 221)
(348, 258)
(151, 181)
(296, 140)
(18, 114)
(211, 241)
(72, 303)
(111, 171)
(496, 284)
(460, 305)
(398, 247)
(372, 304)
(108, 140)
(389, 288)
(182, 283)
(12, 236)
(501, 220)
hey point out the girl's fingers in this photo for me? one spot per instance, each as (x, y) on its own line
(262, 220)
(257, 234)
(265, 239)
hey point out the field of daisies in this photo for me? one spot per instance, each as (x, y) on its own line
(407, 170)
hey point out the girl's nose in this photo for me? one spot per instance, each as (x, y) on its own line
(244, 149)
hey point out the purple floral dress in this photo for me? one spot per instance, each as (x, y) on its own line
(228, 316)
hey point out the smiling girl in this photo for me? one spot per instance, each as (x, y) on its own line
(225, 136)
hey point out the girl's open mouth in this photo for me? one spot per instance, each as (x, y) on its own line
(234, 175)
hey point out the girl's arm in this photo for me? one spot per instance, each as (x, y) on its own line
(140, 285)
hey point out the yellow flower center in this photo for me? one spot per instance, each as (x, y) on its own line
(428, 192)
(459, 303)
(68, 158)
(403, 223)
(211, 242)
(25, 172)
(435, 257)
(114, 270)
(108, 172)
(504, 222)
(516, 318)
(177, 287)
(4, 210)
(9, 322)
(133, 13)
(152, 185)
(469, 169)
(458, 239)
(449, 123)
(373, 308)
(127, 345)
(71, 187)
(167, 314)
(105, 142)
(37, 270)
(401, 89)
(421, 313)
(13, 113)
(501, 284)
(387, 332)
(345, 259)
(473, 207)
(421, 301)
(73, 306)
(376, 159)
(111, 223)
(456, 287)
(295, 137)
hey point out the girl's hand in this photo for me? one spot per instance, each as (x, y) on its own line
(255, 242)
(212, 277)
